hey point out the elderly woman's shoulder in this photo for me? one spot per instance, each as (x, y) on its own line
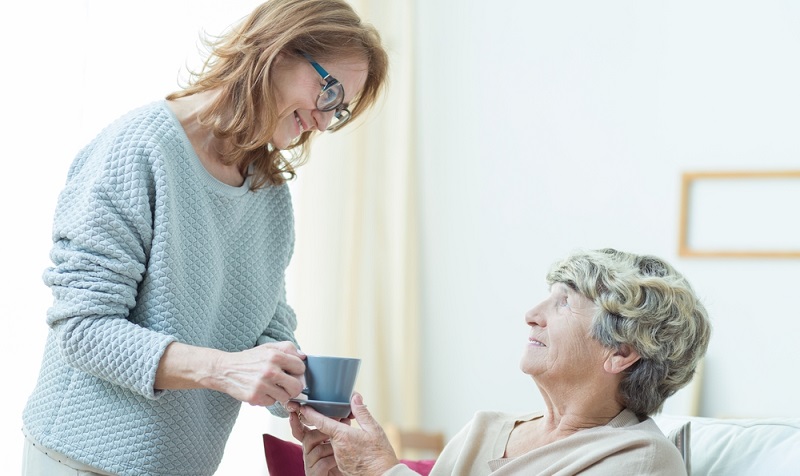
(631, 422)
(633, 446)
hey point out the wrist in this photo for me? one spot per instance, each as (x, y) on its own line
(184, 367)
(210, 374)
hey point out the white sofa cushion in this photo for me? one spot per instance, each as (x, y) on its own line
(680, 436)
(759, 446)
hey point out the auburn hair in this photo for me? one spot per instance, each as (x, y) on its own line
(238, 65)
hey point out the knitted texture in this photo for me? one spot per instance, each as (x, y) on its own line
(149, 249)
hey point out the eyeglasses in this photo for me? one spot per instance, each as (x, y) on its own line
(331, 97)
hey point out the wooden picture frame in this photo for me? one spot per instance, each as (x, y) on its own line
(740, 214)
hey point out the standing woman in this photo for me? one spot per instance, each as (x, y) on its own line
(171, 241)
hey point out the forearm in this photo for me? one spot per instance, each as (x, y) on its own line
(184, 367)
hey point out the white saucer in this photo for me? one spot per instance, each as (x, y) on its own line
(329, 409)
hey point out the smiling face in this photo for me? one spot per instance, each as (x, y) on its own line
(559, 343)
(297, 86)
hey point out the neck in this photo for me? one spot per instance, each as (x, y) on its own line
(210, 149)
(580, 408)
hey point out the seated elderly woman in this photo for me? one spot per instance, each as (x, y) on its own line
(618, 334)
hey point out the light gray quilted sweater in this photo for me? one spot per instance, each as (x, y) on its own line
(148, 249)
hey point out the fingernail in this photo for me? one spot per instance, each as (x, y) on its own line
(358, 399)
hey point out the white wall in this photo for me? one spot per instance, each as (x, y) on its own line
(549, 126)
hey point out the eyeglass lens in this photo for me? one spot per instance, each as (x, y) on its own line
(331, 97)
(339, 119)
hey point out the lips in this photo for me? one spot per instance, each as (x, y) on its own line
(536, 343)
(299, 122)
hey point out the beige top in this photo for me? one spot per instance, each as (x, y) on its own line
(623, 446)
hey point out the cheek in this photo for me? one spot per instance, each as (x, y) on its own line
(302, 96)
(592, 352)
(284, 132)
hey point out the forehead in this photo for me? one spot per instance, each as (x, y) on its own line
(560, 287)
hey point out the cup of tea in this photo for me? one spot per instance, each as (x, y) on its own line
(330, 379)
(329, 384)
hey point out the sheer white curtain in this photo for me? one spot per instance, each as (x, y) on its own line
(354, 276)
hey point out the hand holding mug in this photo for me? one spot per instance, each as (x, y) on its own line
(363, 451)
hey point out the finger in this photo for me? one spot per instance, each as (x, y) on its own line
(321, 450)
(324, 465)
(361, 413)
(286, 386)
(315, 437)
(291, 364)
(287, 348)
(298, 429)
(314, 441)
(284, 356)
(326, 425)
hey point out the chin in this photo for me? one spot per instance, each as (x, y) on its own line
(530, 366)
(524, 366)
(279, 144)
(284, 142)
(283, 137)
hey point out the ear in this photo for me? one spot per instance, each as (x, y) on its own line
(621, 359)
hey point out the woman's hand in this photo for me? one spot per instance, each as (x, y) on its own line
(262, 375)
(363, 451)
(318, 456)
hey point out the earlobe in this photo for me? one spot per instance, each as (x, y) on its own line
(621, 359)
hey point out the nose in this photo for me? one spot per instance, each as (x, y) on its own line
(535, 316)
(322, 119)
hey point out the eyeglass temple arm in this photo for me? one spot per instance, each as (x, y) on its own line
(325, 75)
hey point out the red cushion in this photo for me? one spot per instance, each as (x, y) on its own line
(422, 466)
(285, 458)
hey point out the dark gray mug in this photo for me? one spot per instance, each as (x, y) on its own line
(330, 379)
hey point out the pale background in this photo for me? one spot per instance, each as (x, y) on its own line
(541, 127)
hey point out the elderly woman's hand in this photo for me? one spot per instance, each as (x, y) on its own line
(363, 451)
(317, 451)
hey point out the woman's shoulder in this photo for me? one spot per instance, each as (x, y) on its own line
(629, 445)
(630, 422)
(136, 137)
(130, 145)
(142, 127)
(643, 433)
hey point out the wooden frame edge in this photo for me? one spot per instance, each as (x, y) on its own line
(684, 250)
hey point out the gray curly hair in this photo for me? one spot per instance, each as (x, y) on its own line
(642, 302)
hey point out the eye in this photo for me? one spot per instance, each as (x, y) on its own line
(328, 95)
(563, 301)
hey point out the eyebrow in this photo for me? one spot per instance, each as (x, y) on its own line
(569, 285)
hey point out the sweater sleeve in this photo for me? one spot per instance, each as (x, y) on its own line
(280, 328)
(102, 232)
(282, 325)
